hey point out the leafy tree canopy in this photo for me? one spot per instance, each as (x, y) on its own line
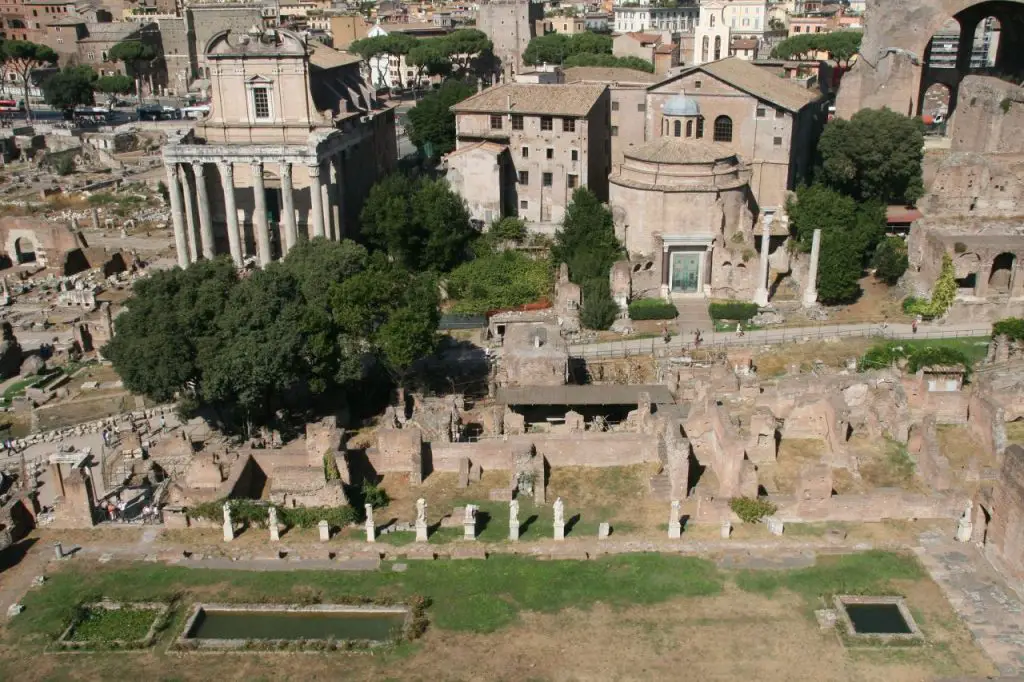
(591, 59)
(24, 57)
(70, 87)
(497, 281)
(118, 84)
(841, 46)
(555, 48)
(890, 260)
(277, 340)
(877, 154)
(421, 224)
(431, 124)
(131, 51)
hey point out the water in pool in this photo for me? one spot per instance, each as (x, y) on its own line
(877, 619)
(376, 626)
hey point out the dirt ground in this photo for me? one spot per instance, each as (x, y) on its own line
(734, 636)
(878, 302)
(776, 362)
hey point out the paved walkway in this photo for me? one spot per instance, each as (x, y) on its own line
(991, 610)
(762, 337)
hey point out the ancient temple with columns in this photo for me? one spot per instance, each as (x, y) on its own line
(294, 140)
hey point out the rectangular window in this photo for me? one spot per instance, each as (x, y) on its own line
(546, 179)
(261, 103)
(761, 112)
(571, 181)
(495, 122)
(615, 105)
(615, 131)
(780, 113)
(641, 107)
(524, 177)
(575, 155)
(526, 152)
(778, 141)
(524, 204)
(568, 125)
(697, 85)
(517, 123)
(546, 123)
(550, 153)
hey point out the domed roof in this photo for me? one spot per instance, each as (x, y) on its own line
(679, 150)
(681, 105)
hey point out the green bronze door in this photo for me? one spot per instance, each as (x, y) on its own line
(685, 272)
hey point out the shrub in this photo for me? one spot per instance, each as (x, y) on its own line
(508, 229)
(737, 311)
(885, 355)
(331, 472)
(497, 281)
(652, 309)
(943, 294)
(890, 260)
(64, 165)
(253, 513)
(750, 510)
(375, 495)
(1012, 328)
(960, 247)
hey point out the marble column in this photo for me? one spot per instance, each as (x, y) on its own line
(259, 214)
(761, 295)
(190, 215)
(227, 179)
(177, 215)
(339, 196)
(316, 200)
(811, 286)
(288, 207)
(325, 197)
(203, 202)
(666, 274)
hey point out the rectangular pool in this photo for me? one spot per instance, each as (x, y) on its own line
(223, 623)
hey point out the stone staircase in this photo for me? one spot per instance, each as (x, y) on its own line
(693, 314)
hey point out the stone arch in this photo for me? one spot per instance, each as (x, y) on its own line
(24, 250)
(1001, 276)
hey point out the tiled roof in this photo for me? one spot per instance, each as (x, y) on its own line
(669, 49)
(645, 37)
(527, 98)
(608, 74)
(490, 147)
(328, 58)
(680, 150)
(757, 81)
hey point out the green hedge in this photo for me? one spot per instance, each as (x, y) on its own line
(1012, 328)
(652, 309)
(252, 513)
(738, 311)
(917, 356)
(751, 510)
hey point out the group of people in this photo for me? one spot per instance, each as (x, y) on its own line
(698, 336)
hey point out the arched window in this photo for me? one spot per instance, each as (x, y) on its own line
(689, 128)
(678, 129)
(704, 49)
(700, 127)
(723, 129)
(718, 48)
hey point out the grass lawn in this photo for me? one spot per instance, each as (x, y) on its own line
(627, 617)
(974, 347)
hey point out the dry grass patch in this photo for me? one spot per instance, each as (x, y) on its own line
(776, 362)
(886, 464)
(1015, 432)
(960, 447)
(783, 475)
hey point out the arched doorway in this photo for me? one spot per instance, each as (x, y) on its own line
(24, 250)
(985, 38)
(1002, 273)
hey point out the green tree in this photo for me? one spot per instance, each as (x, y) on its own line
(372, 50)
(841, 46)
(607, 60)
(421, 224)
(136, 56)
(877, 154)
(890, 260)
(587, 243)
(23, 57)
(555, 48)
(155, 348)
(838, 270)
(465, 48)
(431, 124)
(430, 59)
(70, 87)
(497, 281)
(117, 84)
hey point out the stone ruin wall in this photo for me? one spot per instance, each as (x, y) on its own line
(1005, 541)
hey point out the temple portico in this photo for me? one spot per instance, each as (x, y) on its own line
(292, 145)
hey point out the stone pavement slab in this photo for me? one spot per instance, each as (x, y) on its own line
(990, 609)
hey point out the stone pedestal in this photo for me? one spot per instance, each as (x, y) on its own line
(513, 520)
(229, 528)
(675, 526)
(325, 531)
(371, 528)
(810, 297)
(421, 520)
(604, 530)
(775, 525)
(559, 524)
(726, 529)
(275, 533)
(469, 523)
(421, 532)
(58, 550)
